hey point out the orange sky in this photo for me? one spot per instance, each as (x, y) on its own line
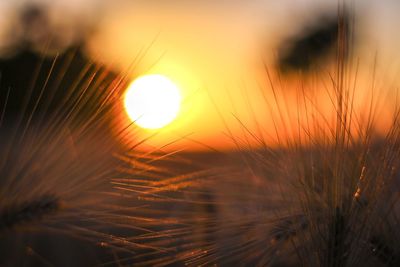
(215, 53)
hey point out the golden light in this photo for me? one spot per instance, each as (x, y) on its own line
(152, 101)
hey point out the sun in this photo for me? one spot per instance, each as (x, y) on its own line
(152, 101)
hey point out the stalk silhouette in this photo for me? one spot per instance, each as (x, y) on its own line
(23, 213)
(59, 155)
(326, 195)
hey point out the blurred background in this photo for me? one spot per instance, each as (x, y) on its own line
(218, 52)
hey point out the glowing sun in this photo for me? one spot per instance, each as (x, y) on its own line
(152, 101)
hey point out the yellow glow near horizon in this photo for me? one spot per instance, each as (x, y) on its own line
(152, 101)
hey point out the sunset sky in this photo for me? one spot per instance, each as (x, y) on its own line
(216, 52)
